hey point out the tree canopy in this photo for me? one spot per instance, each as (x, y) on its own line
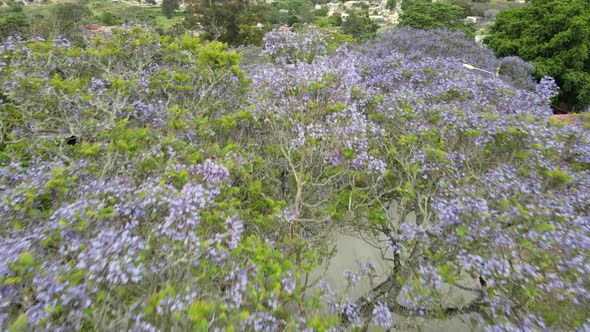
(407, 3)
(231, 21)
(155, 183)
(359, 25)
(169, 7)
(435, 15)
(555, 36)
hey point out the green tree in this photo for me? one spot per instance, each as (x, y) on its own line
(251, 35)
(301, 8)
(465, 4)
(335, 20)
(65, 20)
(16, 23)
(293, 19)
(107, 18)
(391, 4)
(227, 20)
(435, 15)
(360, 26)
(407, 3)
(169, 7)
(278, 17)
(321, 12)
(555, 36)
(70, 13)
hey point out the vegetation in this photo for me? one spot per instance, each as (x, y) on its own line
(14, 21)
(169, 7)
(149, 183)
(435, 15)
(555, 36)
(359, 25)
(231, 21)
(408, 3)
(155, 180)
(70, 20)
(391, 4)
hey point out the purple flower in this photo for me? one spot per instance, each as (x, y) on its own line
(213, 173)
(289, 284)
(382, 316)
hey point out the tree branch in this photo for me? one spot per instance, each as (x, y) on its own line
(476, 306)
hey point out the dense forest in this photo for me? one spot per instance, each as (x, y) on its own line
(157, 180)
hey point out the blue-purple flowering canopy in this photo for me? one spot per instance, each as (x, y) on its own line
(201, 197)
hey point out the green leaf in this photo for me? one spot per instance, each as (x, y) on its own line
(446, 272)
(20, 324)
(462, 231)
(26, 259)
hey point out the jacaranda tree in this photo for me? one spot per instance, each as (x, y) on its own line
(374, 135)
(148, 184)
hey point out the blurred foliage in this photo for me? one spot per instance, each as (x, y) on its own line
(435, 15)
(359, 25)
(555, 36)
(230, 21)
(169, 7)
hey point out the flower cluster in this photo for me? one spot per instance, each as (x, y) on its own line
(288, 47)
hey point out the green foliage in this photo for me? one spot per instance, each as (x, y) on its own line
(171, 132)
(15, 23)
(555, 36)
(391, 4)
(231, 21)
(251, 35)
(335, 20)
(59, 21)
(107, 18)
(298, 11)
(337, 39)
(216, 54)
(126, 12)
(562, 313)
(20, 324)
(70, 14)
(407, 3)
(169, 7)
(360, 26)
(278, 18)
(293, 21)
(465, 4)
(435, 15)
(321, 12)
